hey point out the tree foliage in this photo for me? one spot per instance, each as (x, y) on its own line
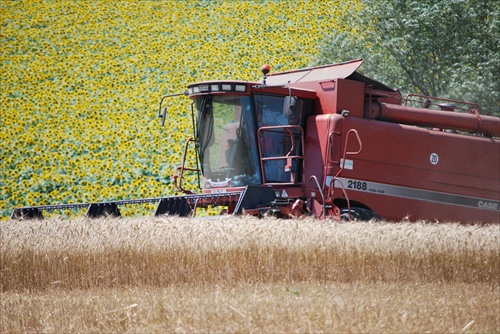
(446, 48)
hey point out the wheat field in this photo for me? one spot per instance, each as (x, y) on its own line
(241, 274)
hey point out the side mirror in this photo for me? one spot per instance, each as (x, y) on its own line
(290, 106)
(162, 113)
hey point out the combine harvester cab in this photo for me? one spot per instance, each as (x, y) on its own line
(332, 143)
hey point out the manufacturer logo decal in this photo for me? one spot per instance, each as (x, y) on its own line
(219, 184)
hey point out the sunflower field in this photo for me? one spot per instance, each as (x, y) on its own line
(82, 80)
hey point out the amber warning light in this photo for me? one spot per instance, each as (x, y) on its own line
(266, 68)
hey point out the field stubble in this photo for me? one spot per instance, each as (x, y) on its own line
(245, 274)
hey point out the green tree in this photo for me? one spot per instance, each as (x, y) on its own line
(446, 48)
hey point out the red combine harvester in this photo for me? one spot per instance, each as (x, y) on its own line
(329, 142)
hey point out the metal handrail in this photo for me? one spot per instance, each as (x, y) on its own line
(179, 172)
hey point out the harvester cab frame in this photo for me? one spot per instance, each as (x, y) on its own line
(248, 139)
(248, 135)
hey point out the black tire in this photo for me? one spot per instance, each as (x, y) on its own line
(360, 214)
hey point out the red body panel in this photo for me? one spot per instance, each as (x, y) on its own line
(407, 171)
(320, 157)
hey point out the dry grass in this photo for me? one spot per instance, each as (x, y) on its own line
(271, 308)
(245, 274)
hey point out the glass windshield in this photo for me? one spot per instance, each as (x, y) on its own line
(227, 141)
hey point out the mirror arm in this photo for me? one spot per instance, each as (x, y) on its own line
(163, 114)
